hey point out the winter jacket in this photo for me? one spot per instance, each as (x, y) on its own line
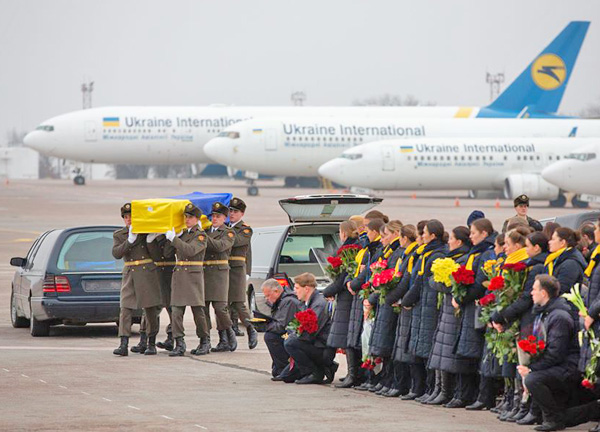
(282, 312)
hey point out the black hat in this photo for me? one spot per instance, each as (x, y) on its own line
(237, 204)
(126, 209)
(192, 210)
(475, 214)
(522, 199)
(220, 208)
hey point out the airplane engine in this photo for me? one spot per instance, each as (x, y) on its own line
(532, 185)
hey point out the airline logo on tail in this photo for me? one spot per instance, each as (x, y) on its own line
(548, 71)
(110, 122)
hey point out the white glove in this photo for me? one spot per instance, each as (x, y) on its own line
(131, 237)
(179, 233)
(151, 237)
(170, 234)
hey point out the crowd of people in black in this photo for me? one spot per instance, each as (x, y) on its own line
(419, 341)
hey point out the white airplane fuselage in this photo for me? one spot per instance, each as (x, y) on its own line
(299, 146)
(175, 135)
(578, 173)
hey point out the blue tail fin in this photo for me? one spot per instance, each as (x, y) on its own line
(537, 92)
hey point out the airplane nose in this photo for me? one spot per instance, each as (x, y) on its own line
(32, 140)
(334, 171)
(220, 150)
(554, 174)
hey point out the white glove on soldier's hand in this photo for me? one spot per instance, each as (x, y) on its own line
(170, 234)
(151, 237)
(131, 237)
(179, 233)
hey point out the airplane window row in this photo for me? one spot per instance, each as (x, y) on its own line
(232, 135)
(318, 138)
(121, 131)
(471, 158)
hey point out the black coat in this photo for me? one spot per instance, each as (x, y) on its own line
(443, 356)
(338, 333)
(400, 352)
(521, 308)
(561, 355)
(283, 312)
(355, 323)
(320, 306)
(569, 269)
(383, 335)
(470, 340)
(592, 301)
(423, 299)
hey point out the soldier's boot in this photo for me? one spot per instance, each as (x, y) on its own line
(140, 348)
(203, 347)
(122, 350)
(223, 344)
(168, 343)
(237, 330)
(151, 349)
(232, 339)
(179, 349)
(252, 336)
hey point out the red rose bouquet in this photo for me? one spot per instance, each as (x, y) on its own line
(461, 280)
(334, 269)
(348, 254)
(304, 321)
(385, 282)
(532, 347)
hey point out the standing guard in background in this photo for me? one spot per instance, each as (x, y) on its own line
(522, 207)
(240, 264)
(220, 240)
(140, 287)
(187, 285)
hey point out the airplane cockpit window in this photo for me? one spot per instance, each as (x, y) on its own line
(351, 156)
(46, 128)
(581, 156)
(232, 135)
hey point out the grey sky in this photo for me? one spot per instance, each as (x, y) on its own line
(246, 52)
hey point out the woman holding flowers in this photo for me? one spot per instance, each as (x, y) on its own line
(355, 324)
(383, 335)
(338, 334)
(443, 359)
(423, 299)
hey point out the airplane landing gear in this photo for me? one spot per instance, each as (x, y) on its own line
(577, 203)
(560, 201)
(252, 188)
(79, 180)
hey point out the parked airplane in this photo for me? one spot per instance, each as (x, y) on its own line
(578, 172)
(299, 146)
(512, 165)
(173, 135)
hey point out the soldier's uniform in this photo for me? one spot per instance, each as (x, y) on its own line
(216, 279)
(166, 265)
(187, 284)
(140, 286)
(240, 266)
(535, 224)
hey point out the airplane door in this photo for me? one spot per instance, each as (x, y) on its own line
(91, 131)
(387, 158)
(270, 139)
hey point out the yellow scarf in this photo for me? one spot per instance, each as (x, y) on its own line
(518, 256)
(422, 270)
(551, 258)
(388, 250)
(471, 259)
(592, 264)
(360, 255)
(411, 261)
(407, 251)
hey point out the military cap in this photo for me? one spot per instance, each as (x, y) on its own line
(522, 199)
(220, 208)
(192, 210)
(237, 204)
(126, 209)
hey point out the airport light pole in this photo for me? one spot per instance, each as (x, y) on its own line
(298, 98)
(495, 81)
(86, 92)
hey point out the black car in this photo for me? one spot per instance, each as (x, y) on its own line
(69, 276)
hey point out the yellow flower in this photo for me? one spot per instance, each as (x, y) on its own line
(488, 266)
(442, 269)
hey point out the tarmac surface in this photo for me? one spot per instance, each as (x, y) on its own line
(72, 381)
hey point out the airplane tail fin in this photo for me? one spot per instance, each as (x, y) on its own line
(540, 87)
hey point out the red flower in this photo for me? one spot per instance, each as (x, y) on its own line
(487, 300)
(378, 360)
(496, 283)
(541, 345)
(348, 247)
(365, 286)
(334, 261)
(531, 338)
(309, 321)
(464, 276)
(516, 267)
(376, 280)
(587, 384)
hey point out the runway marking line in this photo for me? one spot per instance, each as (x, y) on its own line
(132, 407)
(24, 376)
(107, 400)
(201, 427)
(42, 381)
(63, 387)
(86, 393)
(5, 370)
(167, 417)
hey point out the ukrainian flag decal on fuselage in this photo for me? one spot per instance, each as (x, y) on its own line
(111, 122)
(256, 131)
(406, 149)
(548, 71)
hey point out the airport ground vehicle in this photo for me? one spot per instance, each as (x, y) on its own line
(69, 276)
(576, 220)
(285, 251)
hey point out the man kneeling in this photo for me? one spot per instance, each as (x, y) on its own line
(308, 350)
